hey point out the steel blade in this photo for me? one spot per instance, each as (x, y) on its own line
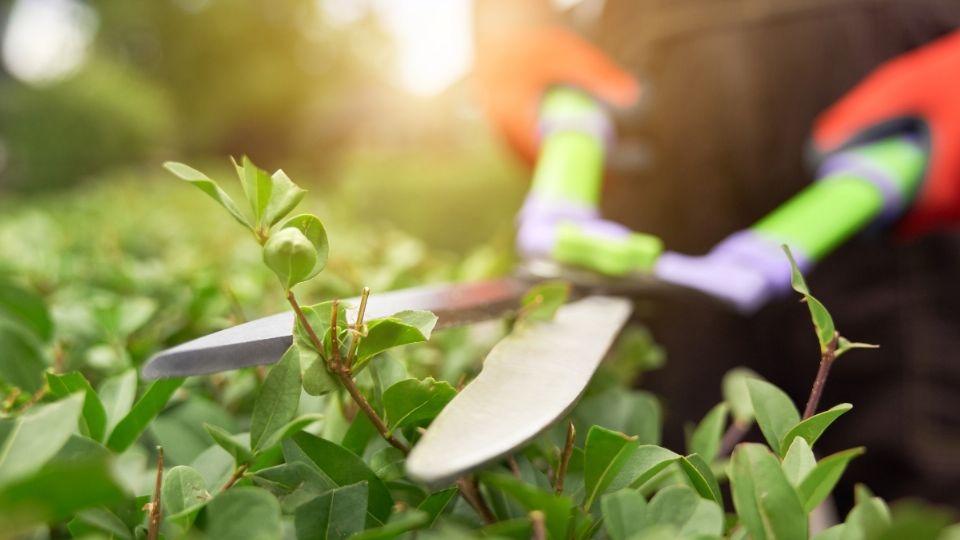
(264, 341)
(530, 379)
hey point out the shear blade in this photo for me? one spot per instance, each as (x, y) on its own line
(264, 341)
(530, 379)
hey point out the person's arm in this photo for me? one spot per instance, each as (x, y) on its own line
(889, 151)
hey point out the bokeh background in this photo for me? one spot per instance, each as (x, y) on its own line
(367, 103)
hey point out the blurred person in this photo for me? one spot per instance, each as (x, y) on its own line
(716, 103)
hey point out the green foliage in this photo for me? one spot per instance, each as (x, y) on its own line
(277, 402)
(412, 401)
(541, 302)
(80, 457)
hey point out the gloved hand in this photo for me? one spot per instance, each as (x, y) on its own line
(513, 73)
(924, 86)
(560, 219)
(575, 234)
(746, 270)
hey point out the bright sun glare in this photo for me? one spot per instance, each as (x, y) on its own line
(432, 38)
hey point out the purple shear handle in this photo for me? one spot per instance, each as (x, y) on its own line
(745, 270)
(540, 217)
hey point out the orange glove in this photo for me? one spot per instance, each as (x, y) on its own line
(918, 90)
(513, 73)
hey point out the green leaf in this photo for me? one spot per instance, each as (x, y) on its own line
(209, 187)
(605, 453)
(277, 400)
(359, 434)
(98, 520)
(701, 477)
(398, 329)
(153, 401)
(317, 381)
(643, 465)
(818, 483)
(436, 503)
(541, 302)
(799, 461)
(290, 255)
(293, 483)
(342, 467)
(287, 430)
(624, 513)
(736, 394)
(796, 277)
(775, 412)
(241, 454)
(387, 463)
(628, 411)
(399, 523)
(812, 428)
(58, 490)
(869, 519)
(27, 309)
(118, 394)
(94, 415)
(284, 197)
(31, 439)
(183, 490)
(243, 513)
(844, 345)
(682, 508)
(705, 440)
(768, 506)
(335, 515)
(21, 363)
(822, 321)
(556, 508)
(411, 401)
(312, 228)
(257, 186)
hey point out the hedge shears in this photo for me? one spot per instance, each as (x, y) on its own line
(535, 375)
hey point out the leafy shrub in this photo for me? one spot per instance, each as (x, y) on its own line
(314, 447)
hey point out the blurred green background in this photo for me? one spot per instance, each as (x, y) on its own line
(366, 103)
(343, 95)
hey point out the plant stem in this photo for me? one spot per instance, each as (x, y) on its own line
(565, 459)
(355, 342)
(155, 507)
(514, 467)
(734, 434)
(235, 477)
(539, 525)
(826, 362)
(471, 494)
(342, 372)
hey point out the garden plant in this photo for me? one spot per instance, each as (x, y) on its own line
(314, 446)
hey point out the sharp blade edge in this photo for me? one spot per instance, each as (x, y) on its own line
(530, 379)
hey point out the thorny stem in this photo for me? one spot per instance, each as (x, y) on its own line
(155, 507)
(470, 493)
(734, 434)
(342, 372)
(826, 362)
(235, 477)
(565, 459)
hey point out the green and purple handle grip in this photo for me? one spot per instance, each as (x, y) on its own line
(560, 219)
